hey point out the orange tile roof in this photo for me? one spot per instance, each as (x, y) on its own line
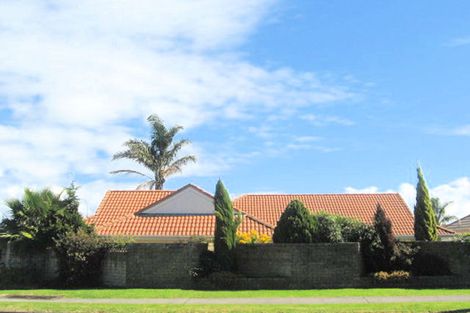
(361, 207)
(116, 214)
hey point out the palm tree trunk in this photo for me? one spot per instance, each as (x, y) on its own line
(159, 183)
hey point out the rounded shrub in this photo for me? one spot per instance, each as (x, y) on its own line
(295, 225)
(326, 228)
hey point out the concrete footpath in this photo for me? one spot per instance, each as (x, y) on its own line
(293, 300)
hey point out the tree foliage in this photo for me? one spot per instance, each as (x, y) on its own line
(226, 224)
(80, 256)
(295, 225)
(326, 228)
(158, 156)
(390, 254)
(42, 216)
(383, 228)
(425, 224)
(440, 211)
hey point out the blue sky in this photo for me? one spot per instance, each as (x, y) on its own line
(276, 96)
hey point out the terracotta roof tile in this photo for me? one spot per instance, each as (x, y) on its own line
(116, 214)
(362, 207)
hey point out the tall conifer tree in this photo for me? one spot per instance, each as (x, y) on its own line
(425, 219)
(226, 224)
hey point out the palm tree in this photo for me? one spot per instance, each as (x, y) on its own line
(42, 216)
(440, 210)
(158, 156)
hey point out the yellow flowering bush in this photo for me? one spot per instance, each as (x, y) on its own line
(252, 237)
(392, 276)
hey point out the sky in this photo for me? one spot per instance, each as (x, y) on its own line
(276, 96)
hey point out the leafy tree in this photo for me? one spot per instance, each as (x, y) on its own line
(440, 211)
(42, 216)
(391, 254)
(158, 156)
(383, 227)
(425, 225)
(226, 224)
(295, 225)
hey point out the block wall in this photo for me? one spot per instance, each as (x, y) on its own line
(303, 265)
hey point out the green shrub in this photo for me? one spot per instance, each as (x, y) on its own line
(392, 276)
(295, 225)
(80, 256)
(326, 228)
(353, 230)
(426, 264)
(463, 237)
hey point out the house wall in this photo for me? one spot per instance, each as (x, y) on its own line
(186, 201)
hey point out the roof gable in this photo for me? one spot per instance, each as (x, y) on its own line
(189, 200)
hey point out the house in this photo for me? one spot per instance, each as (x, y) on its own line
(187, 214)
(460, 226)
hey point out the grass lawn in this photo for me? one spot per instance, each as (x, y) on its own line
(141, 308)
(179, 293)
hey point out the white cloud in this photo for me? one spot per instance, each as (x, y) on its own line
(75, 75)
(463, 130)
(459, 42)
(320, 120)
(456, 191)
(370, 189)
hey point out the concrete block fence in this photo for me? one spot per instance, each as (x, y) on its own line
(260, 266)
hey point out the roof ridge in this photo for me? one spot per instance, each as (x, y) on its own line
(135, 190)
(255, 219)
(316, 194)
(174, 194)
(458, 220)
(446, 229)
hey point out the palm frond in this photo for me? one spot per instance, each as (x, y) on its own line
(171, 154)
(148, 185)
(171, 133)
(176, 166)
(139, 151)
(158, 155)
(129, 172)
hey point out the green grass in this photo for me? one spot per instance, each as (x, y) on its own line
(179, 293)
(143, 308)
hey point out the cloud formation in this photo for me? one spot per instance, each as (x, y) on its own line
(459, 42)
(457, 192)
(77, 77)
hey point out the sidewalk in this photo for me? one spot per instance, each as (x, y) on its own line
(337, 300)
